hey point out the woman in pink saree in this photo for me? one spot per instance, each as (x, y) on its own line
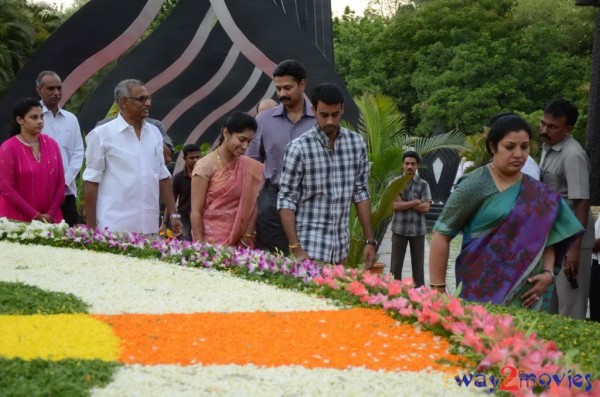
(225, 187)
(32, 180)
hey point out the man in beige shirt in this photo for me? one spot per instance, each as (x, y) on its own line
(565, 168)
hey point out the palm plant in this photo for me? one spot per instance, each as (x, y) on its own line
(384, 129)
(17, 37)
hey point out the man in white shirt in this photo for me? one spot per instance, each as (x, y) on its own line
(63, 127)
(125, 169)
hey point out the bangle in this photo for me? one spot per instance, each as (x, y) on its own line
(550, 272)
(443, 285)
(295, 245)
(175, 216)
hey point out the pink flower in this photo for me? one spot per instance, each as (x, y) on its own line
(339, 271)
(414, 295)
(428, 316)
(327, 281)
(394, 288)
(455, 307)
(396, 304)
(532, 360)
(458, 327)
(357, 289)
(372, 280)
(378, 299)
(408, 283)
(407, 311)
(495, 357)
(473, 340)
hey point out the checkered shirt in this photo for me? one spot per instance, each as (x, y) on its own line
(411, 223)
(320, 185)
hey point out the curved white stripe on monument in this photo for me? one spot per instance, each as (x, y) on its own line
(268, 94)
(186, 58)
(298, 14)
(283, 6)
(106, 55)
(226, 107)
(249, 50)
(202, 92)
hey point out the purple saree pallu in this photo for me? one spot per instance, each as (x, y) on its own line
(492, 264)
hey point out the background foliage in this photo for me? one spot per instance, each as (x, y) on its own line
(455, 63)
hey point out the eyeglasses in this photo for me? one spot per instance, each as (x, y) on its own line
(141, 98)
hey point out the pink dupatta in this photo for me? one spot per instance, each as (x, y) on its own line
(231, 201)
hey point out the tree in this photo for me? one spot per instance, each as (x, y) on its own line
(17, 37)
(454, 63)
(46, 18)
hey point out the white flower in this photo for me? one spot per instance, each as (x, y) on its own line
(119, 284)
(250, 380)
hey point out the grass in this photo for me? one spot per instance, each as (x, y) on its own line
(40, 377)
(53, 378)
(18, 298)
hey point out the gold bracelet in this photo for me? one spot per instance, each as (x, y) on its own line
(247, 235)
(295, 245)
(438, 285)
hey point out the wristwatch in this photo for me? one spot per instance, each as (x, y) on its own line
(175, 216)
(372, 242)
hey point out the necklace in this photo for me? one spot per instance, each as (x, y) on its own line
(34, 147)
(495, 171)
(226, 165)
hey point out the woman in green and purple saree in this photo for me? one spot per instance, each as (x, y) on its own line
(516, 231)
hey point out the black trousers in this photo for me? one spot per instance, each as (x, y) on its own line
(417, 257)
(270, 235)
(69, 210)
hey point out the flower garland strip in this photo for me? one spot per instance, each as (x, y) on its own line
(57, 337)
(116, 284)
(316, 339)
(250, 381)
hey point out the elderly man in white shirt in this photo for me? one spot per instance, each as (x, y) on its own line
(63, 127)
(125, 169)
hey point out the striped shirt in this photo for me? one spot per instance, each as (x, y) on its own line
(320, 185)
(412, 223)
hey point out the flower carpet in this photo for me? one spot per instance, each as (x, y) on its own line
(184, 319)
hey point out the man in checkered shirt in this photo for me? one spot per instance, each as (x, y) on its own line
(325, 170)
(408, 224)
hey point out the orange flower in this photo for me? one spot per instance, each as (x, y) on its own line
(316, 339)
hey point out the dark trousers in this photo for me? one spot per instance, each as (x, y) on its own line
(270, 235)
(69, 210)
(417, 256)
(595, 292)
(187, 228)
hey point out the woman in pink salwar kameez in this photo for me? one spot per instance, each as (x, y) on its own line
(225, 187)
(32, 180)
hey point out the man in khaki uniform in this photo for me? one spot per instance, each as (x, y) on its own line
(565, 168)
